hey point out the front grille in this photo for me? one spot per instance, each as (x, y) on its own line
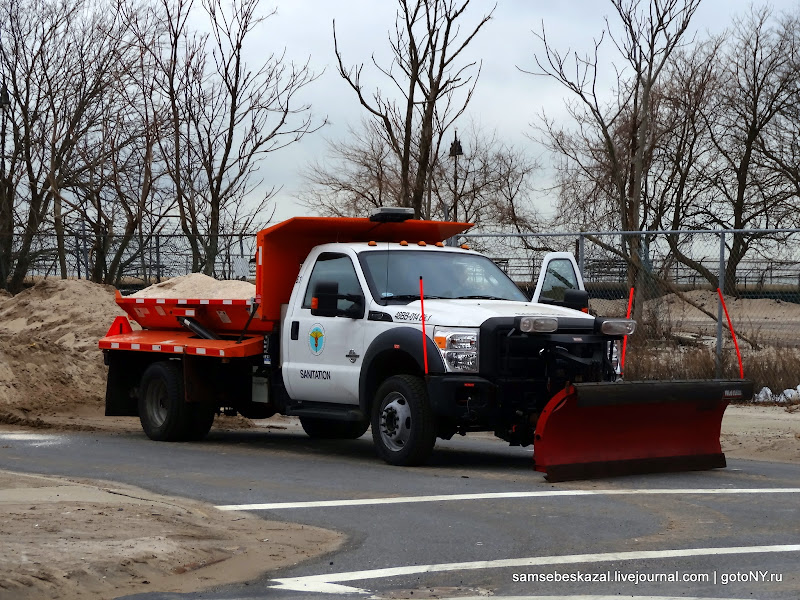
(506, 353)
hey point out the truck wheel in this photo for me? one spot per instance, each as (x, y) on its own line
(329, 429)
(162, 405)
(403, 426)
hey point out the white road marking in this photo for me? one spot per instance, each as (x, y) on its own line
(330, 583)
(34, 439)
(500, 495)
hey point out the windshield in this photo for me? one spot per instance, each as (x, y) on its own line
(393, 276)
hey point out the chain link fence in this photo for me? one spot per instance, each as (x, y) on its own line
(143, 260)
(682, 328)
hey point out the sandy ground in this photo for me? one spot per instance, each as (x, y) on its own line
(81, 539)
(68, 538)
(762, 433)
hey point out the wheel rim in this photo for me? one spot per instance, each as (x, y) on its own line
(395, 426)
(156, 403)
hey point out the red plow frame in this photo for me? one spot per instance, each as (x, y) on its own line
(599, 429)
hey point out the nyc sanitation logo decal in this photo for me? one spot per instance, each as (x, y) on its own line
(316, 339)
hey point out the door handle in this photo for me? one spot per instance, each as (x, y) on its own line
(295, 332)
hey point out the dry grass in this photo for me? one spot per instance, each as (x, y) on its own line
(775, 368)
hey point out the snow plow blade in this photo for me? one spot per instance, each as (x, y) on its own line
(591, 430)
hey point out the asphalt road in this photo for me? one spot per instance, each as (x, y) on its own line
(477, 520)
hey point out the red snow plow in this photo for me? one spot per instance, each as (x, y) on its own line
(600, 429)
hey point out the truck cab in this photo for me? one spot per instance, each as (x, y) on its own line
(356, 342)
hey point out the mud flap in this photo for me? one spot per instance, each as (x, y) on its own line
(599, 429)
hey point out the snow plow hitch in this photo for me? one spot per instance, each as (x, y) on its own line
(599, 429)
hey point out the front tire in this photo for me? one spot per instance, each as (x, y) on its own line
(403, 425)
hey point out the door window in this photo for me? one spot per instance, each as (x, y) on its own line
(560, 276)
(334, 267)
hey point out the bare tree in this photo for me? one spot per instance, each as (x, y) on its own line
(780, 143)
(358, 175)
(494, 181)
(425, 44)
(622, 129)
(490, 185)
(123, 194)
(677, 185)
(59, 66)
(224, 118)
(758, 88)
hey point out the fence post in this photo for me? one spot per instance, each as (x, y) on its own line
(721, 285)
(581, 254)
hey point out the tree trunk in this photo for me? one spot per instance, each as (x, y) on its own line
(737, 252)
(6, 214)
(6, 229)
(58, 220)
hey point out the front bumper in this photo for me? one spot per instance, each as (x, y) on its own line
(462, 397)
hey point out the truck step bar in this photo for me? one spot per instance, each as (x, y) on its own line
(326, 411)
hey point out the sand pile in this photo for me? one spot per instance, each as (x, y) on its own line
(48, 345)
(83, 540)
(49, 360)
(197, 285)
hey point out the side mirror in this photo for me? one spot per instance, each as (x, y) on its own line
(576, 299)
(325, 302)
(325, 299)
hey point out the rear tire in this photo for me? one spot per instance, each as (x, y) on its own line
(162, 404)
(403, 425)
(329, 429)
(200, 418)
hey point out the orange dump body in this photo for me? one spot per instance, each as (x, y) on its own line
(215, 315)
(162, 332)
(182, 342)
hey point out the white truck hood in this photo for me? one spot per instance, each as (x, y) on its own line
(472, 313)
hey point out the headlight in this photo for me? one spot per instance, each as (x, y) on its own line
(618, 327)
(538, 324)
(459, 348)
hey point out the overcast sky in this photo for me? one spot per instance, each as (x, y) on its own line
(505, 99)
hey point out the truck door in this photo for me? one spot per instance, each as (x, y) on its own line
(559, 273)
(322, 359)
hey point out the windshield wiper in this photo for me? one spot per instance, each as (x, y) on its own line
(414, 297)
(479, 297)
